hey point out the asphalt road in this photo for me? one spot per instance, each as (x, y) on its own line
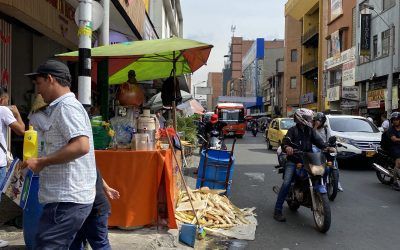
(364, 216)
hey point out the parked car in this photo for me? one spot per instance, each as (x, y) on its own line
(277, 131)
(359, 136)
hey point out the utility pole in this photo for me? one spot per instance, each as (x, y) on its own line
(85, 45)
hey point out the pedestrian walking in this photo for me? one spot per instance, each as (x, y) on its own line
(9, 117)
(95, 228)
(67, 170)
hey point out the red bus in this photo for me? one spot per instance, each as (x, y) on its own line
(233, 115)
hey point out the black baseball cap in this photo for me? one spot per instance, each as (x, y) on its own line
(54, 68)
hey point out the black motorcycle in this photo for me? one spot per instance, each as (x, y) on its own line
(215, 141)
(308, 188)
(332, 170)
(254, 130)
(384, 166)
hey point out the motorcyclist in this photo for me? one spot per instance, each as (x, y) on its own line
(322, 130)
(214, 124)
(393, 134)
(300, 137)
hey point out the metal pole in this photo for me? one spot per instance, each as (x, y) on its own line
(390, 78)
(85, 45)
(105, 27)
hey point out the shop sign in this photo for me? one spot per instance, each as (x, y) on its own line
(375, 97)
(365, 42)
(333, 94)
(335, 44)
(349, 104)
(307, 98)
(395, 98)
(351, 93)
(336, 9)
(345, 56)
(349, 73)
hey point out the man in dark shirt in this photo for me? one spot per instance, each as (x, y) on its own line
(393, 133)
(95, 228)
(300, 137)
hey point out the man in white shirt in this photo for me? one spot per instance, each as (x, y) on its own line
(385, 122)
(68, 169)
(9, 117)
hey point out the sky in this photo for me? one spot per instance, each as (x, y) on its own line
(210, 21)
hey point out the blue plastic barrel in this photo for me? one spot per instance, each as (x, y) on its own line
(32, 213)
(216, 170)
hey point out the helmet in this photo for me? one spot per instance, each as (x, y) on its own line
(214, 118)
(304, 116)
(394, 116)
(319, 116)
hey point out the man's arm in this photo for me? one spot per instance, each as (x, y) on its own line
(18, 126)
(395, 139)
(76, 148)
(317, 140)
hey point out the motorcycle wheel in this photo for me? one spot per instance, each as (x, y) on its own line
(384, 179)
(269, 146)
(322, 213)
(332, 186)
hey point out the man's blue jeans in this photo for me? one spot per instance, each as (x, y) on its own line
(59, 224)
(3, 173)
(290, 169)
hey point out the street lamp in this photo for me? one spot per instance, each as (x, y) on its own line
(390, 78)
(194, 88)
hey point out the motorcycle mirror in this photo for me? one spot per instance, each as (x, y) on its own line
(332, 140)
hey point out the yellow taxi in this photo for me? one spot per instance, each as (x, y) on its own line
(277, 130)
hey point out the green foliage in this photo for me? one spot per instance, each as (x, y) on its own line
(187, 126)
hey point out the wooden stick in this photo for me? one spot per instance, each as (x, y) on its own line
(183, 179)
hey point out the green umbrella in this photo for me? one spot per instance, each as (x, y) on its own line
(151, 59)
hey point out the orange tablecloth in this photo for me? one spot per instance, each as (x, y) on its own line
(137, 176)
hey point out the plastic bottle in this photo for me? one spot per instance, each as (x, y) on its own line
(30, 144)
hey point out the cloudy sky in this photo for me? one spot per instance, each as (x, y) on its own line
(210, 21)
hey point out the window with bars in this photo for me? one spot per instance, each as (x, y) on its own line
(375, 46)
(385, 42)
(293, 55)
(293, 82)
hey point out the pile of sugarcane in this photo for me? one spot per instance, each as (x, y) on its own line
(212, 210)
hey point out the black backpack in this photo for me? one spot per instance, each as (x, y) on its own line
(385, 141)
(167, 92)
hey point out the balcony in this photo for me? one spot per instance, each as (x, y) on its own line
(298, 8)
(310, 37)
(309, 67)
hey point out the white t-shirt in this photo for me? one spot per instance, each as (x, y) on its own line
(385, 124)
(6, 118)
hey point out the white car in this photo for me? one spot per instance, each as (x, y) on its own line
(359, 136)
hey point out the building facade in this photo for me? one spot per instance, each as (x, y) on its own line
(373, 60)
(310, 14)
(340, 90)
(166, 16)
(214, 81)
(292, 65)
(272, 75)
(233, 83)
